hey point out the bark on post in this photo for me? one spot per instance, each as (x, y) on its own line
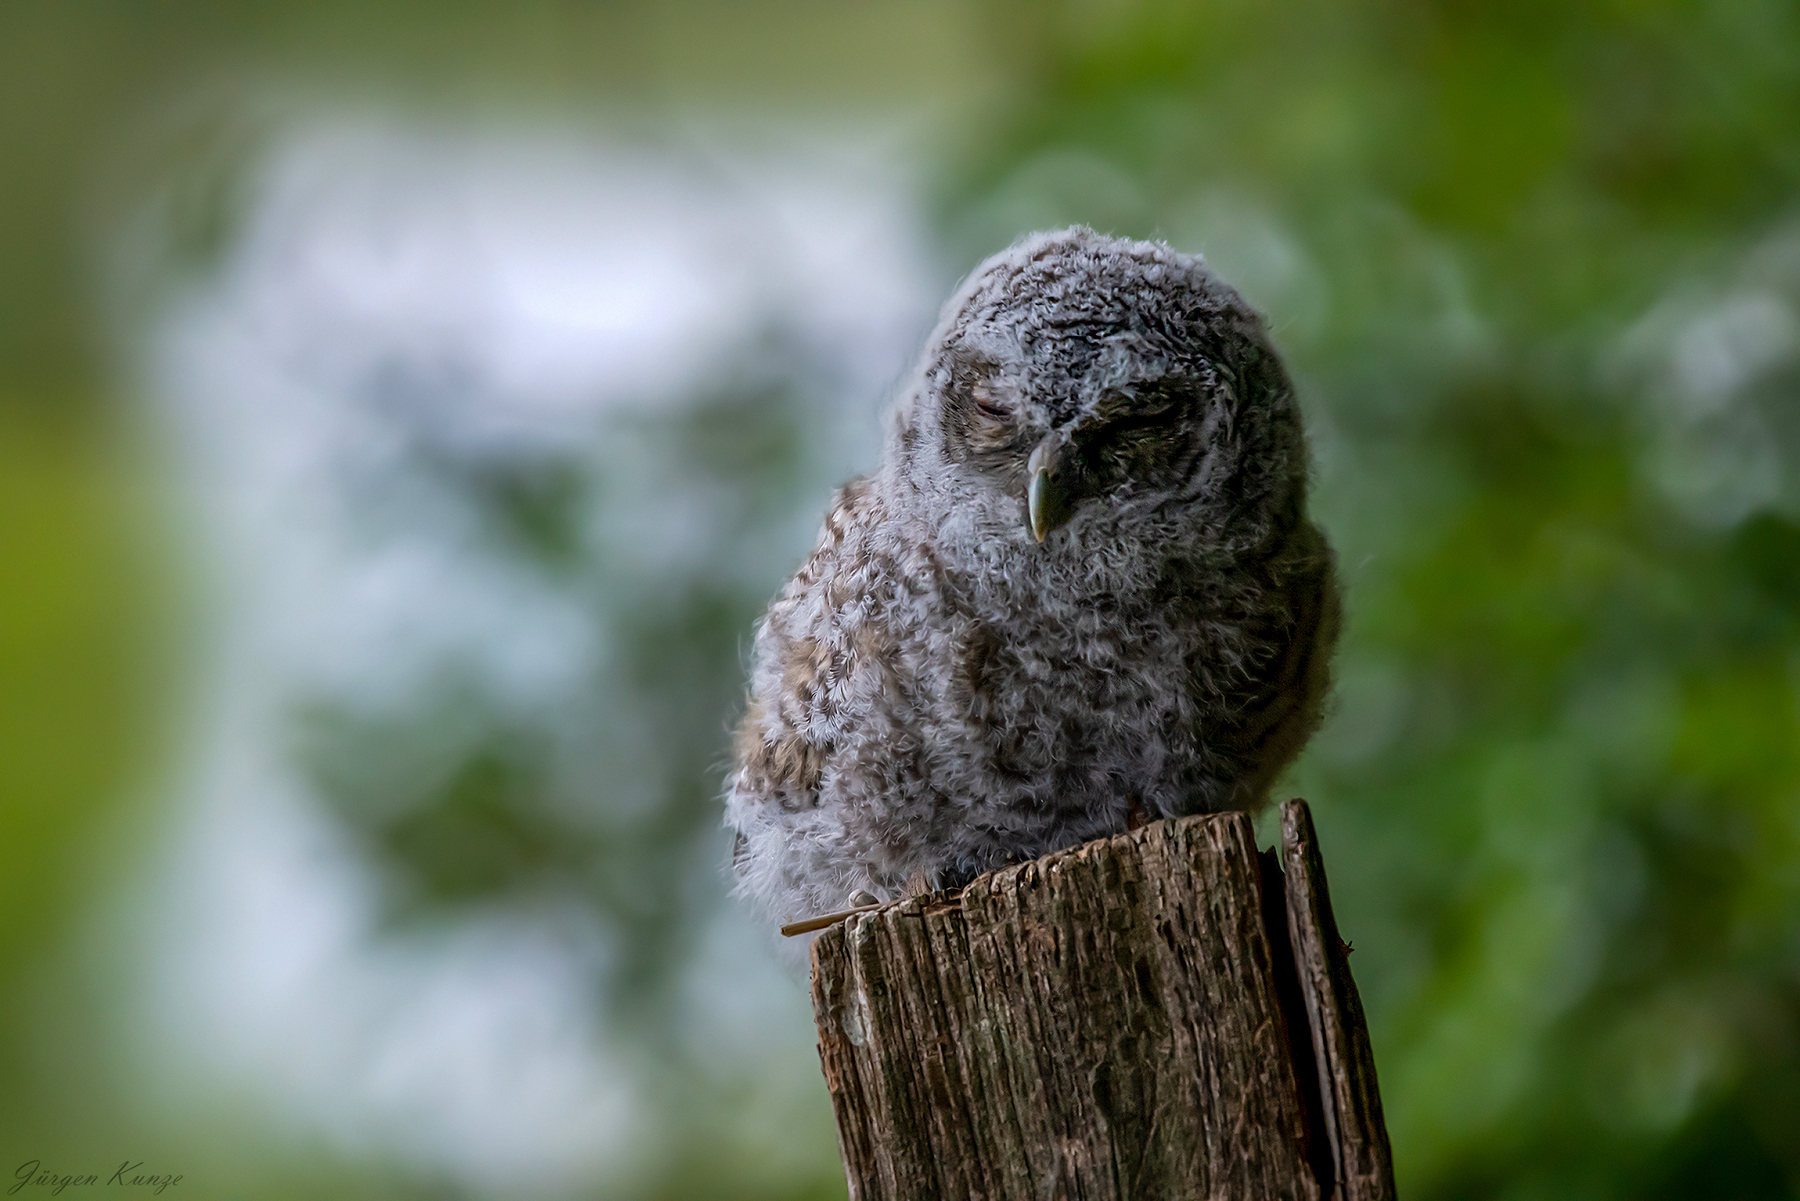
(1145, 1016)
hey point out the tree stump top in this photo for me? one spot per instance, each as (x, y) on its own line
(1125, 1019)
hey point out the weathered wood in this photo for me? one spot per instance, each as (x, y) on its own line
(1361, 1160)
(1119, 1020)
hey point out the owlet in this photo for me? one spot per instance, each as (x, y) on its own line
(1081, 586)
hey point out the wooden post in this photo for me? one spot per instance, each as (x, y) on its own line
(1145, 1016)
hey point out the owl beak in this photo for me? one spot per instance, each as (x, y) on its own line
(1046, 501)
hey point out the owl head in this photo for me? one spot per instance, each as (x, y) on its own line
(1081, 391)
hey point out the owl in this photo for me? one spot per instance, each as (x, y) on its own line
(1080, 591)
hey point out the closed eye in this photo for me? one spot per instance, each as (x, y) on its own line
(1160, 419)
(990, 407)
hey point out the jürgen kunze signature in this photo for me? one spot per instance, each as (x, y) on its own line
(129, 1175)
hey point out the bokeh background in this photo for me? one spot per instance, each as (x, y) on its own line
(406, 408)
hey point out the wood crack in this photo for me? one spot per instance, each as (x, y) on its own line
(1160, 1014)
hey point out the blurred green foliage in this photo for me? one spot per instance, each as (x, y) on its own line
(1560, 793)
(468, 802)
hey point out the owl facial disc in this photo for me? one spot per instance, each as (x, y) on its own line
(1046, 501)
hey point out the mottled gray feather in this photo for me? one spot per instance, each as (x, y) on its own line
(936, 694)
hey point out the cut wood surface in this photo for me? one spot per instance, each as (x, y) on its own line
(1120, 1020)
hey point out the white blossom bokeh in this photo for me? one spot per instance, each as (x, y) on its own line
(436, 411)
